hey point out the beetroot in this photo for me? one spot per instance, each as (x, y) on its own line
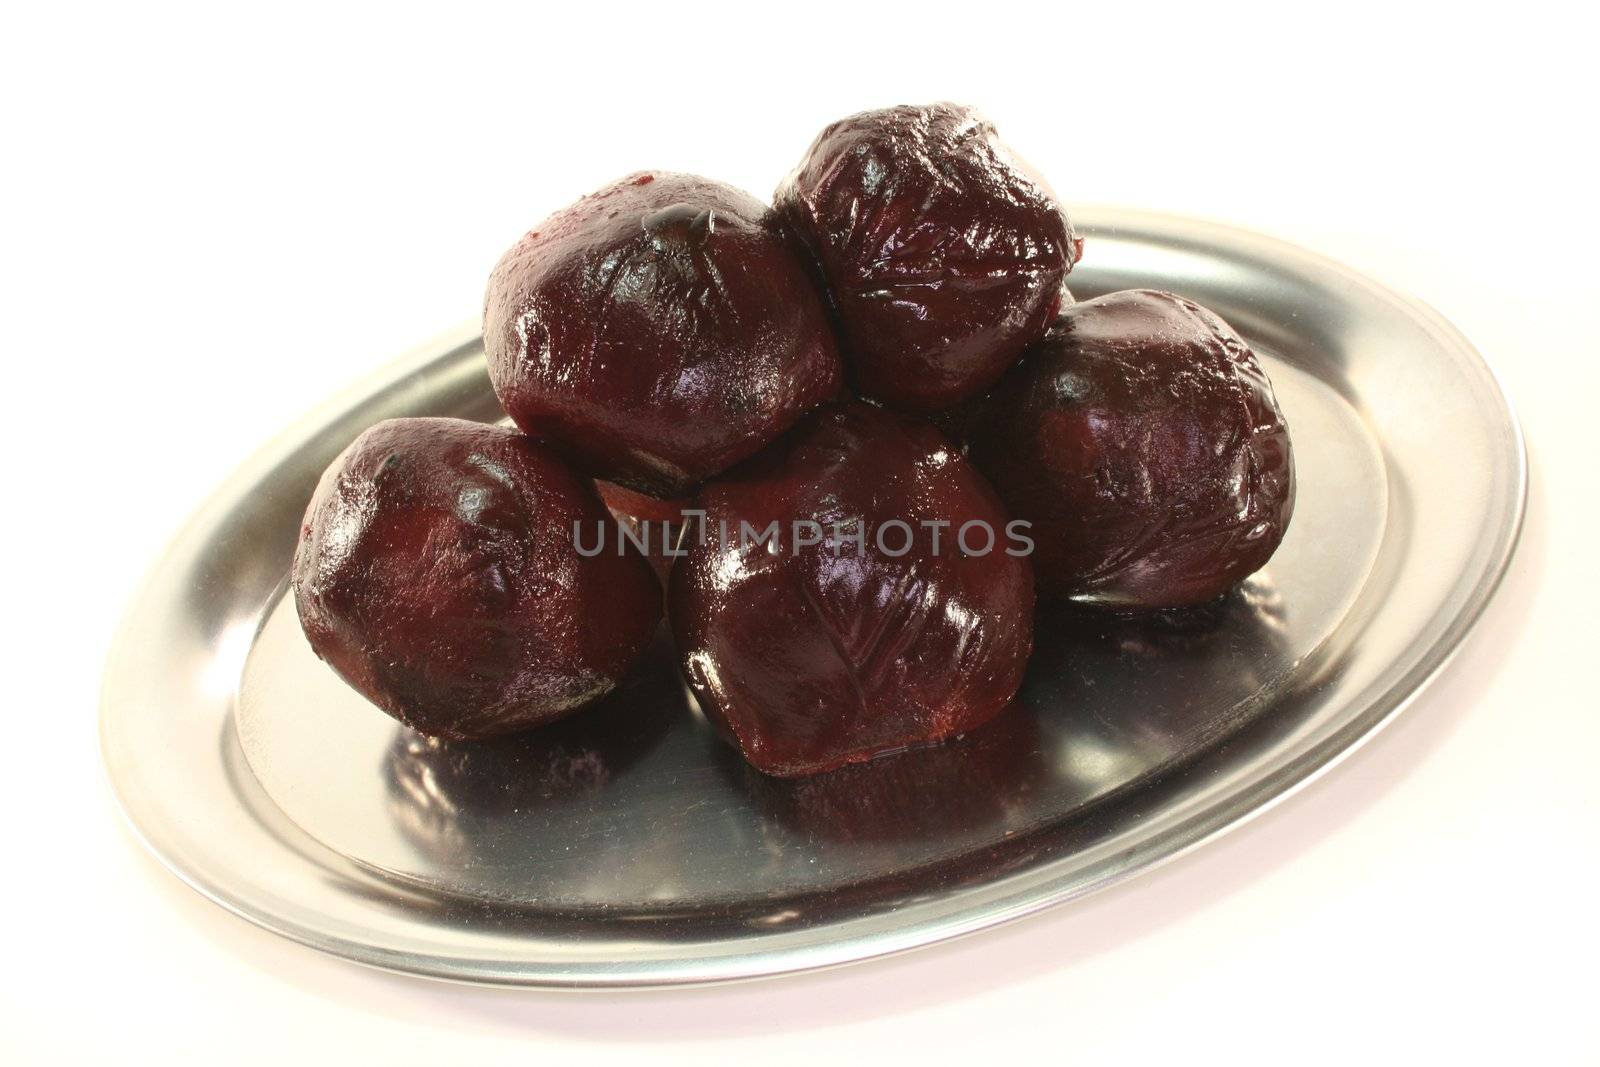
(942, 255)
(656, 332)
(439, 574)
(1142, 441)
(860, 627)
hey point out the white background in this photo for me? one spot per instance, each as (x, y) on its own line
(215, 218)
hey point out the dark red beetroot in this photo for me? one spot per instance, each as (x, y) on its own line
(942, 255)
(1142, 440)
(816, 655)
(655, 333)
(437, 573)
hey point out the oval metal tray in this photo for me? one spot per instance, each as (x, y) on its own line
(630, 847)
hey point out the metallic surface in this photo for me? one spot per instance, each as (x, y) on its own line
(597, 857)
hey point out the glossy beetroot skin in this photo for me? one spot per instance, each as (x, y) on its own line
(655, 333)
(1143, 442)
(810, 659)
(437, 573)
(943, 257)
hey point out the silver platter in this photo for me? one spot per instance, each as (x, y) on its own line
(630, 848)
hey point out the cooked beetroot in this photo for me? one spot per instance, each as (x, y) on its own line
(942, 255)
(853, 627)
(439, 574)
(656, 332)
(1142, 441)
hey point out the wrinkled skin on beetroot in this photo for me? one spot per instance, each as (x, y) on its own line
(809, 658)
(437, 574)
(655, 333)
(1142, 440)
(942, 255)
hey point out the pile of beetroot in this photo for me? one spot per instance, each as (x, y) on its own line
(876, 419)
